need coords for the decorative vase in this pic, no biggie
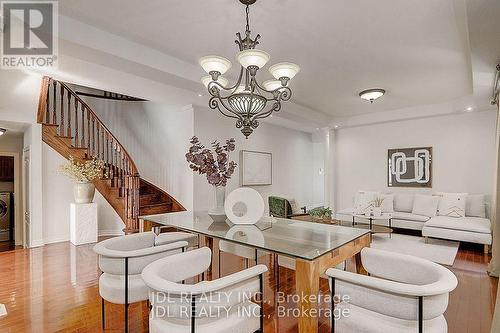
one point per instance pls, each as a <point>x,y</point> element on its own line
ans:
<point>217,212</point>
<point>83,192</point>
<point>248,198</point>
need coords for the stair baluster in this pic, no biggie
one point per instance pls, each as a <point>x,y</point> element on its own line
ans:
<point>61,125</point>
<point>77,142</point>
<point>54,106</point>
<point>68,131</point>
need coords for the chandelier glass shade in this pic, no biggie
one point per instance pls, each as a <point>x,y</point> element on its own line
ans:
<point>247,101</point>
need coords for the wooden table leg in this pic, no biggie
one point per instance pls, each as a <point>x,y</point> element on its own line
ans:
<point>357,259</point>
<point>359,265</point>
<point>307,286</point>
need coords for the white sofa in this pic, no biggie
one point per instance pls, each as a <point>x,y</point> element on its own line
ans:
<point>474,227</point>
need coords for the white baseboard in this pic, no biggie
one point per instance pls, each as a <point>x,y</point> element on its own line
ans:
<point>110,232</point>
<point>50,240</point>
<point>37,243</point>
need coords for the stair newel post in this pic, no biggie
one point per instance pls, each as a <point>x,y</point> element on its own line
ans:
<point>61,125</point>
<point>132,185</point>
<point>68,132</point>
<point>54,99</point>
<point>77,142</point>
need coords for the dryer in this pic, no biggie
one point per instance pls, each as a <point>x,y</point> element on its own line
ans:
<point>5,211</point>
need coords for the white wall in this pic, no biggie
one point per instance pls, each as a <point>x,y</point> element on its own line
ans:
<point>156,136</point>
<point>463,154</point>
<point>293,158</point>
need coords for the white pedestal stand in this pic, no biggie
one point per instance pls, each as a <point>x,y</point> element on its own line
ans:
<point>83,223</point>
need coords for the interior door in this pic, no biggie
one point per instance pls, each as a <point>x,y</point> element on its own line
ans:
<point>26,197</point>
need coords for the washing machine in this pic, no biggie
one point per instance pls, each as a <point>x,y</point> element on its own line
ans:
<point>5,211</point>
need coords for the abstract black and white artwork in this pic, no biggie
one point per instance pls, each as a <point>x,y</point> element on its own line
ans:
<point>410,167</point>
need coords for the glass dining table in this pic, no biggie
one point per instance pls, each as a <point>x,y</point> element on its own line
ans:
<point>315,247</point>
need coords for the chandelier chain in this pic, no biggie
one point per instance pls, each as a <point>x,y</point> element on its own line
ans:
<point>247,12</point>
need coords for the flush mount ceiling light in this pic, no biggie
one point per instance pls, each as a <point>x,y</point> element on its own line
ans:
<point>247,99</point>
<point>2,131</point>
<point>371,94</point>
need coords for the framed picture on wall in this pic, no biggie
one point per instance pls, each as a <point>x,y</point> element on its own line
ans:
<point>256,168</point>
<point>409,167</point>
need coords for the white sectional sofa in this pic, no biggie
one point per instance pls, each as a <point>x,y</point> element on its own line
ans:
<point>470,225</point>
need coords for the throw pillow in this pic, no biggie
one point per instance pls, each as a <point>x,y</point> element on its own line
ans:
<point>451,204</point>
<point>403,202</point>
<point>295,206</point>
<point>387,203</point>
<point>425,205</point>
<point>475,205</point>
<point>363,201</point>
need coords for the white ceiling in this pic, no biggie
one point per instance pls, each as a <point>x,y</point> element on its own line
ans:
<point>417,50</point>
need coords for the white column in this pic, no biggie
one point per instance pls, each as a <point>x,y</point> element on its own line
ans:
<point>329,144</point>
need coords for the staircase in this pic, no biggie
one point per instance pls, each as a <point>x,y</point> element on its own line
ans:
<point>72,128</point>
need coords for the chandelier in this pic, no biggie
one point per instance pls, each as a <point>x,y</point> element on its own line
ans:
<point>247,100</point>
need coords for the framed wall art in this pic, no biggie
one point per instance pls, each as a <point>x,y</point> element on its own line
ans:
<point>256,168</point>
<point>409,167</point>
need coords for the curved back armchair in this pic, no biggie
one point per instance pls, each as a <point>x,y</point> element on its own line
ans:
<point>122,259</point>
<point>404,293</point>
<point>221,305</point>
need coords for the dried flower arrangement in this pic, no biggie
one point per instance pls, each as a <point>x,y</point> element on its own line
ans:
<point>83,172</point>
<point>377,202</point>
<point>217,168</point>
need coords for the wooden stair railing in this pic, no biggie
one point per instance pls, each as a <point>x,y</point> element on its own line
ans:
<point>73,128</point>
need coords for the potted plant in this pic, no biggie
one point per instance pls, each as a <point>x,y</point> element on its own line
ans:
<point>215,164</point>
<point>83,174</point>
<point>377,206</point>
<point>321,213</point>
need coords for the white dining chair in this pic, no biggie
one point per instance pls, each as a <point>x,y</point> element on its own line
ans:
<point>219,306</point>
<point>403,294</point>
<point>176,236</point>
<point>121,260</point>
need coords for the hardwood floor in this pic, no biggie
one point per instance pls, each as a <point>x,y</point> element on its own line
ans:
<point>55,289</point>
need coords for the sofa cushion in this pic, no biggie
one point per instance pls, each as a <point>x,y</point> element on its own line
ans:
<point>471,224</point>
<point>452,204</point>
<point>409,217</point>
<point>387,203</point>
<point>403,202</point>
<point>425,205</point>
<point>475,205</point>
